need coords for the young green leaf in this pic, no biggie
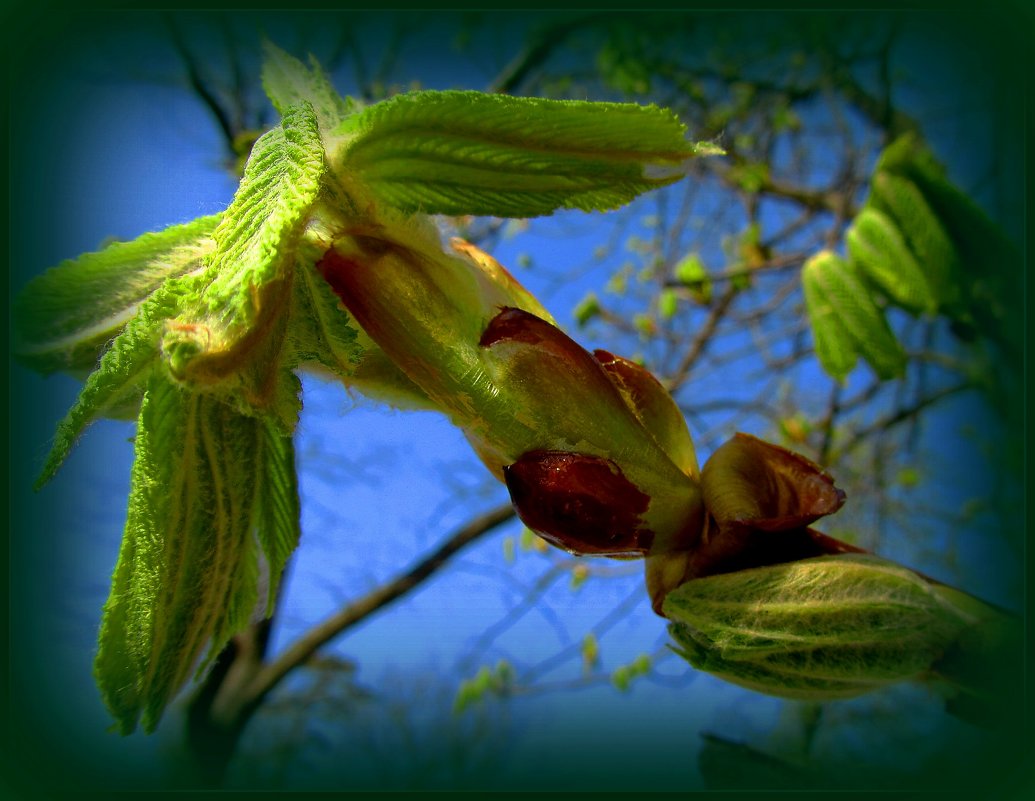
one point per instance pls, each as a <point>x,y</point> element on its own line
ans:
<point>64,318</point>
<point>277,516</point>
<point>991,266</point>
<point>691,273</point>
<point>244,287</point>
<point>461,152</point>
<point>835,348</point>
<point>847,314</point>
<point>187,572</point>
<point>924,233</point>
<point>289,83</point>
<point>877,246</point>
<point>122,370</point>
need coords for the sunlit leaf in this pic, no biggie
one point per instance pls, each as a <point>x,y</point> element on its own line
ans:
<point>65,318</point>
<point>278,514</point>
<point>245,285</point>
<point>288,82</point>
<point>187,572</point>
<point>122,370</point>
<point>460,152</point>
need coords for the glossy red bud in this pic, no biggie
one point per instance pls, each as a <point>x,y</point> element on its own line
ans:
<point>583,504</point>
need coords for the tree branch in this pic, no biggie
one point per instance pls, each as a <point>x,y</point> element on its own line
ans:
<point>305,646</point>
<point>902,415</point>
<point>201,86</point>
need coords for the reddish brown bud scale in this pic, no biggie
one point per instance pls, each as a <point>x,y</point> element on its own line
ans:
<point>335,270</point>
<point>515,325</point>
<point>754,483</point>
<point>583,504</point>
<point>653,407</point>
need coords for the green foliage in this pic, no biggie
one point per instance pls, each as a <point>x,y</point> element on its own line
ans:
<point>751,177</point>
<point>257,241</point>
<point>691,273</point>
<point>207,323</point>
<point>488,681</point>
<point>288,83</point>
<point>623,676</point>
<point>924,235</point>
<point>187,573</point>
<point>121,372</point>
<point>461,152</point>
<point>846,323</point>
<point>587,309</point>
<point>923,245</point>
<point>64,318</point>
<point>930,249</point>
<point>668,304</point>
<point>884,258</point>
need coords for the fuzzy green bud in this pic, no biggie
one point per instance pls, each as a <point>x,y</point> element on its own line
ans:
<point>818,629</point>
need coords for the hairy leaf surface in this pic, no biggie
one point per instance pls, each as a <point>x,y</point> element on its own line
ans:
<point>924,234</point>
<point>462,152</point>
<point>846,313</point>
<point>835,348</point>
<point>245,284</point>
<point>817,628</point>
<point>64,318</point>
<point>878,247</point>
<point>187,571</point>
<point>123,368</point>
<point>288,82</point>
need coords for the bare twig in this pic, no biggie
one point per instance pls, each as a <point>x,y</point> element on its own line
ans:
<point>320,634</point>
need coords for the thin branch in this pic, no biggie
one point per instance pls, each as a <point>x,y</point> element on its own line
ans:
<point>902,415</point>
<point>702,340</point>
<point>304,647</point>
<point>201,86</point>
<point>534,55</point>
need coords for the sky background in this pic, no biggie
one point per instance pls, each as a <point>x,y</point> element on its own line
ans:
<point>99,150</point>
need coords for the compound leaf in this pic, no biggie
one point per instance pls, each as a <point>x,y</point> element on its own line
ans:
<point>243,288</point>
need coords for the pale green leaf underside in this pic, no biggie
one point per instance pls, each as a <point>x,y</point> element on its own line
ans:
<point>288,82</point>
<point>827,601</point>
<point>321,329</point>
<point>835,348</point>
<point>187,573</point>
<point>64,318</point>
<point>923,232</point>
<point>841,299</point>
<point>459,152</point>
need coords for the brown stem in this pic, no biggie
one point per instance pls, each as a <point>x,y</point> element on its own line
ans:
<point>241,679</point>
<point>306,645</point>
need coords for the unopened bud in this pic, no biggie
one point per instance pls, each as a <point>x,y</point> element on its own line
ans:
<point>822,628</point>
